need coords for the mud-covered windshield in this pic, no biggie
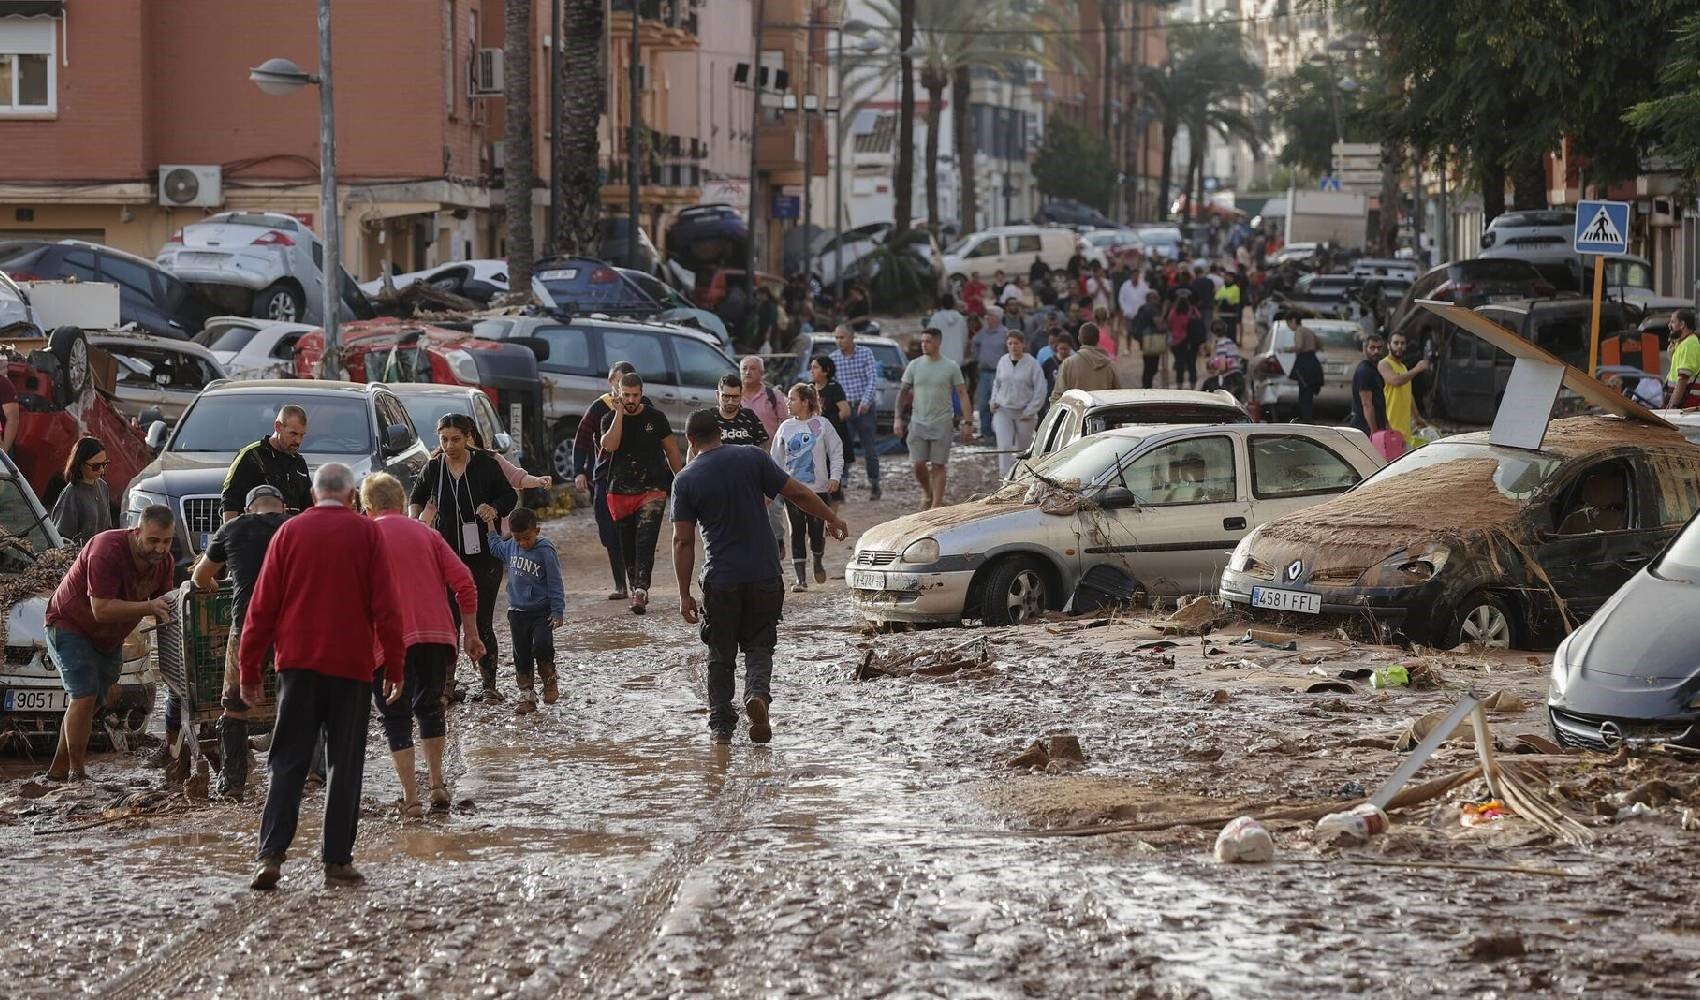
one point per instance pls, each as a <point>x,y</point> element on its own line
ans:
<point>18,522</point>
<point>1518,474</point>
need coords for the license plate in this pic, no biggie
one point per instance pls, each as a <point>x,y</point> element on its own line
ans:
<point>37,701</point>
<point>202,258</point>
<point>864,580</point>
<point>565,274</point>
<point>1271,599</point>
<point>205,540</point>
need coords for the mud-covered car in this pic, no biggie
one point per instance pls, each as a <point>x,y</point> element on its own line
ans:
<point>1464,541</point>
<point>32,698</point>
<point>1629,675</point>
<point>1144,509</point>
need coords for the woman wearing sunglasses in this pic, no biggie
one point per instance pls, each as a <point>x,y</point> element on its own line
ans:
<point>84,507</point>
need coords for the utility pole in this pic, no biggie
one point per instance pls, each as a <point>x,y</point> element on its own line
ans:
<point>755,150</point>
<point>556,136</point>
<point>634,74</point>
<point>839,133</point>
<point>330,366</point>
<point>808,137</point>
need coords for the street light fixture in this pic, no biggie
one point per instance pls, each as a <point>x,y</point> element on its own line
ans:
<point>280,78</point>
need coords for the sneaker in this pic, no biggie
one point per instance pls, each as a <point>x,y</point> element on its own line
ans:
<point>820,570</point>
<point>161,755</point>
<point>618,595</point>
<point>265,880</point>
<point>551,690</point>
<point>874,494</point>
<point>640,601</point>
<point>439,799</point>
<point>527,703</point>
<point>342,875</point>
<point>490,696</point>
<point>799,587</point>
<point>760,731</point>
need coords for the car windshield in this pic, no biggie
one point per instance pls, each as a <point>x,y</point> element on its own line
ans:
<point>956,249</point>
<point>427,410</point>
<point>231,421</point>
<point>1520,474</point>
<point>1681,562</point>
<point>890,359</point>
<point>1335,335</point>
<point>1525,220</point>
<point>1087,459</point>
<point>18,521</point>
<point>231,338</point>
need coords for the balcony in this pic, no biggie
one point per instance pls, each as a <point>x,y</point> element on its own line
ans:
<point>779,147</point>
<point>664,25</point>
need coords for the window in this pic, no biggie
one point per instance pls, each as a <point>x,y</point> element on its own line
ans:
<point>28,67</point>
<point>77,264</point>
<point>1599,500</point>
<point>391,413</point>
<point>987,247</point>
<point>1195,471</point>
<point>569,350</point>
<point>1283,466</point>
<point>143,366</point>
<point>643,350</point>
<point>1677,487</point>
<point>1024,244</point>
<point>700,366</point>
<point>130,275</point>
<point>488,423</point>
<point>228,338</point>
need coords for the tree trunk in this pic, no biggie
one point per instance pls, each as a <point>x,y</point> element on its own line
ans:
<point>519,171</point>
<point>1529,184</point>
<point>1387,235</point>
<point>583,97</point>
<point>1197,139</point>
<point>934,83</point>
<point>904,210</point>
<point>1167,174</point>
<point>961,92</point>
<point>1493,189</point>
<point>1110,18</point>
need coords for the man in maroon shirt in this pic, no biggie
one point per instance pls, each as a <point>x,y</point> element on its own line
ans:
<point>324,602</point>
<point>117,580</point>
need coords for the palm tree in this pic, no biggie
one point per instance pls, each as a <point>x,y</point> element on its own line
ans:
<point>519,171</point>
<point>582,100</point>
<point>905,181</point>
<point>1202,86</point>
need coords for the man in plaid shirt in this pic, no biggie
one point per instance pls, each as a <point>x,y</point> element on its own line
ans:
<point>858,374</point>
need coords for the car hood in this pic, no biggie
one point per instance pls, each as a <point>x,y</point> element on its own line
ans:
<point>967,525</point>
<point>24,623</point>
<point>173,472</point>
<point>1632,660</point>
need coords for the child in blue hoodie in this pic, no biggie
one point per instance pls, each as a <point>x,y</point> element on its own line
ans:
<point>537,603</point>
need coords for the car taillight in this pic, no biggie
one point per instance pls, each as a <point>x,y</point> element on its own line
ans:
<point>1271,366</point>
<point>26,276</point>
<point>603,276</point>
<point>176,237</point>
<point>273,238</point>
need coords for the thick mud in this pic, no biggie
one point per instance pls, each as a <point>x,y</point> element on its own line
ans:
<point>882,845</point>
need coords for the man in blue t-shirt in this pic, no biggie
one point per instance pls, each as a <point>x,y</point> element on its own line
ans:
<point>726,490</point>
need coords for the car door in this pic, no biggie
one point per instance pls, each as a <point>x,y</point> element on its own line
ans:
<point>572,376</point>
<point>1467,377</point>
<point>405,464</point>
<point>490,424</point>
<point>1595,533</point>
<point>1190,513</point>
<point>1292,471</point>
<point>648,354</point>
<point>700,369</point>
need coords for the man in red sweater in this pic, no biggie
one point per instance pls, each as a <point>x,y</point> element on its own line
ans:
<point>325,594</point>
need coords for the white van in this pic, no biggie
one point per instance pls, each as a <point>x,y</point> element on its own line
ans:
<point>1009,249</point>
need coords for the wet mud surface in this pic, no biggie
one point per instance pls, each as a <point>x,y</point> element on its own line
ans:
<point>882,846</point>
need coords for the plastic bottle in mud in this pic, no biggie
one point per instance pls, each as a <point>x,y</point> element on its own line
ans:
<point>1354,826</point>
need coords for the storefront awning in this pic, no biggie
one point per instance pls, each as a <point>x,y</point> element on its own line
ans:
<point>32,8</point>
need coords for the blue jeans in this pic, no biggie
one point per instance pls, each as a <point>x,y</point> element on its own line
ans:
<point>983,399</point>
<point>863,428</point>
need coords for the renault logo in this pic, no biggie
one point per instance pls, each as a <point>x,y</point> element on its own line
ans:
<point>1294,569</point>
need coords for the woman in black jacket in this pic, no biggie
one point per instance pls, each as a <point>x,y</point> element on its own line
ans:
<point>459,488</point>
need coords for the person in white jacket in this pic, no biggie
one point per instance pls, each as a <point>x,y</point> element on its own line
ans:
<point>807,447</point>
<point>1019,392</point>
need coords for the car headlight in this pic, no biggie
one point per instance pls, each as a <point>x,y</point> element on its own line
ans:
<point>141,500</point>
<point>464,366</point>
<point>1241,560</point>
<point>922,552</point>
<point>1560,675</point>
<point>1407,570</point>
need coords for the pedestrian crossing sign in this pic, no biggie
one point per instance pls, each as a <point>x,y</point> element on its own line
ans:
<point>1602,227</point>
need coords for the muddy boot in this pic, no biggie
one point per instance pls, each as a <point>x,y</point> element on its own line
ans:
<point>820,569</point>
<point>161,755</point>
<point>527,698</point>
<point>233,742</point>
<point>802,583</point>
<point>760,730</point>
<point>265,878</point>
<point>551,690</point>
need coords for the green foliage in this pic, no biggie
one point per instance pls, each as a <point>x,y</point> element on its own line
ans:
<point>1673,119</point>
<point>1074,162</point>
<point>1304,105</point>
<point>901,281</point>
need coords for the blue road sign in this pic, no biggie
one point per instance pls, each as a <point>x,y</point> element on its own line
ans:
<point>1329,183</point>
<point>1602,227</point>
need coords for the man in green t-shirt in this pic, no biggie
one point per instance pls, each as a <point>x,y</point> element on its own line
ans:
<point>928,381</point>
<point>1684,358</point>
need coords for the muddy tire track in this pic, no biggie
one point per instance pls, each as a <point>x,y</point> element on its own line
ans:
<point>168,970</point>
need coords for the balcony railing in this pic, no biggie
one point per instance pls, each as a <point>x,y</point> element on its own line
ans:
<point>679,14</point>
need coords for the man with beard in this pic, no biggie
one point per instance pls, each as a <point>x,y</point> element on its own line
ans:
<point>119,578</point>
<point>274,460</point>
<point>643,458</point>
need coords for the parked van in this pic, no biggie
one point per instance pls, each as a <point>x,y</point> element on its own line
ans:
<point>1009,249</point>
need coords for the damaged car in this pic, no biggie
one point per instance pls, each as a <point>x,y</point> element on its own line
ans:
<point>263,264</point>
<point>1629,675</point>
<point>1144,510</point>
<point>1079,412</point>
<point>1468,542</point>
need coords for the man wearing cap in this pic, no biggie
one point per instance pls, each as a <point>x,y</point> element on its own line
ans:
<point>241,545</point>
<point>274,460</point>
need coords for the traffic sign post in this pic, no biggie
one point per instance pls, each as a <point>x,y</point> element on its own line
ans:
<point>1602,229</point>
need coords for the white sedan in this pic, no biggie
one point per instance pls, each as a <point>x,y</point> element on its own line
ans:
<point>1149,509</point>
<point>253,348</point>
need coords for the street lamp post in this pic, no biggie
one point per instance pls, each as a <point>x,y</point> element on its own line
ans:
<point>279,77</point>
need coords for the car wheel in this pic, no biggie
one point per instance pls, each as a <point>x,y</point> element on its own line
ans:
<point>1016,593</point>
<point>561,451</point>
<point>70,346</point>
<point>1482,619</point>
<point>280,303</point>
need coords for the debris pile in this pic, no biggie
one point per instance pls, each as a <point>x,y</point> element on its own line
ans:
<point>41,577</point>
<point>972,658</point>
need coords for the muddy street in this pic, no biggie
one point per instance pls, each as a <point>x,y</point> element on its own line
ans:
<point>883,844</point>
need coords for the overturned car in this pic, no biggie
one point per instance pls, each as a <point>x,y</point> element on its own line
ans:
<point>1464,541</point>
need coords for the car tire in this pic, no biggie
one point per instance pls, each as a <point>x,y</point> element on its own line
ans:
<point>561,450</point>
<point>1017,591</point>
<point>71,347</point>
<point>281,303</point>
<point>1482,619</point>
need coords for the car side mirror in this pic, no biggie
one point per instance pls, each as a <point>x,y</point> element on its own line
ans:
<point>396,439</point>
<point>537,345</point>
<point>504,440</point>
<point>157,432</point>
<point>1116,497</point>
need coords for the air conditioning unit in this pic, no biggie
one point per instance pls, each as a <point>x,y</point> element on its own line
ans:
<point>1663,213</point>
<point>485,80</point>
<point>191,186</point>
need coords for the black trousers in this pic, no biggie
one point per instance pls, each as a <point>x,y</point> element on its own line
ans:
<point>306,702</point>
<point>1153,363</point>
<point>534,643</point>
<point>487,577</point>
<point>608,534</point>
<point>802,523</point>
<point>1186,364</point>
<point>739,617</point>
<point>638,536</point>
<point>425,675</point>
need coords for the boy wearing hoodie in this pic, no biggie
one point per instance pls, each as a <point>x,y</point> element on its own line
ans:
<point>537,603</point>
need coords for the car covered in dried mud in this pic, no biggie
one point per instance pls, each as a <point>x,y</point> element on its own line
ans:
<point>1629,675</point>
<point>1079,412</point>
<point>1157,507</point>
<point>1464,541</point>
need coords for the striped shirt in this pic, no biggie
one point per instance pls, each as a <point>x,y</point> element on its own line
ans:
<point>858,373</point>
